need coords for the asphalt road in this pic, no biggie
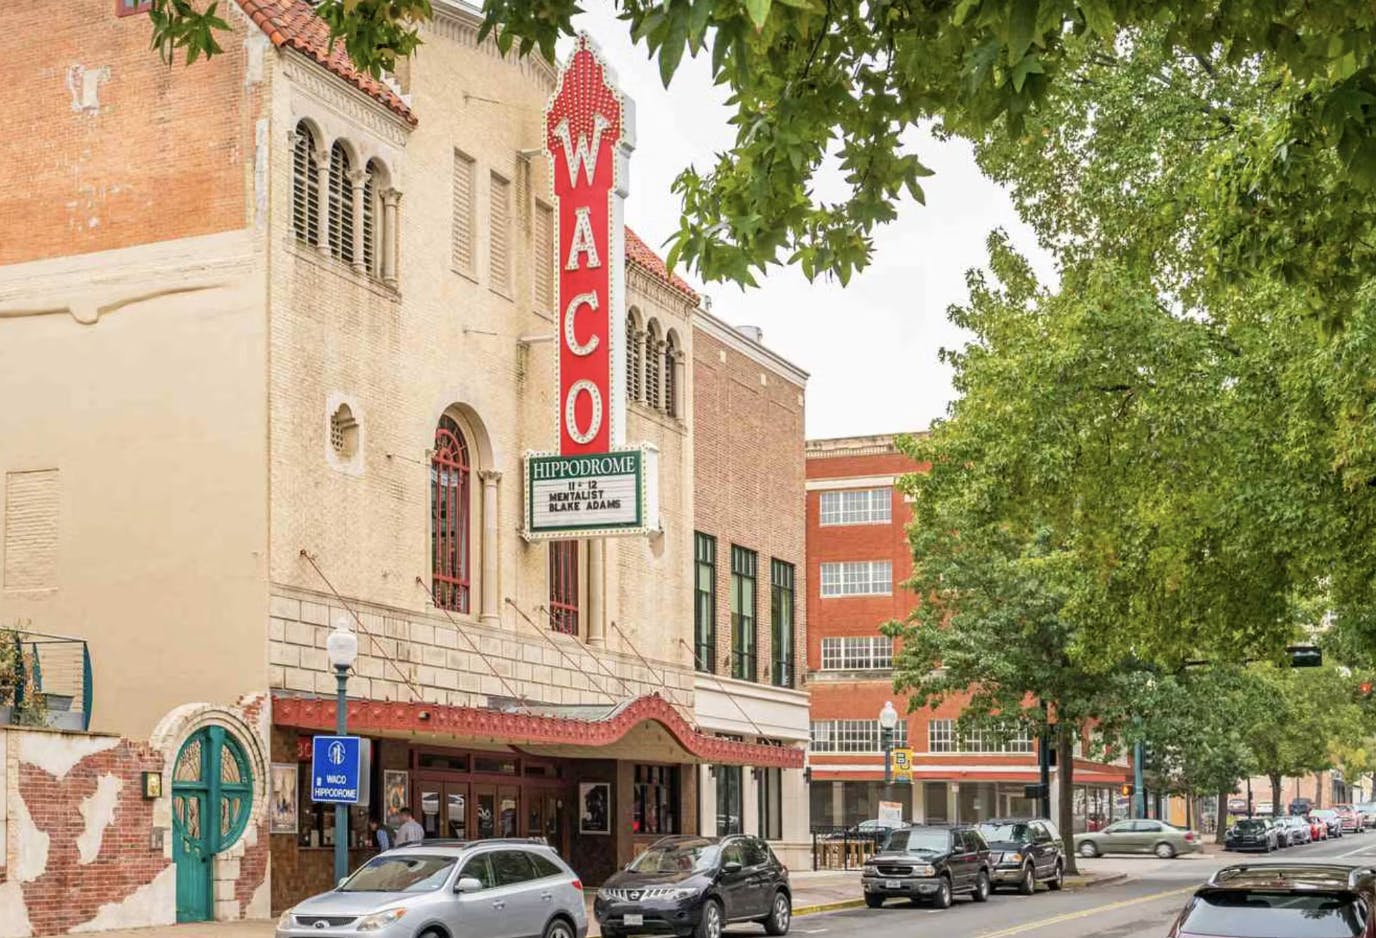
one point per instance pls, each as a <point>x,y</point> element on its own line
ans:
<point>1143,906</point>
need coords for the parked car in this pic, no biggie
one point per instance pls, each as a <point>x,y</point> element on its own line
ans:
<point>696,886</point>
<point>1252,834</point>
<point>1318,830</point>
<point>1301,806</point>
<point>469,890</point>
<point>1298,900</point>
<point>1024,852</point>
<point>1295,830</point>
<point>935,863</point>
<point>1367,809</point>
<point>1138,836</point>
<point>1352,821</point>
<point>1263,809</point>
<point>1331,819</point>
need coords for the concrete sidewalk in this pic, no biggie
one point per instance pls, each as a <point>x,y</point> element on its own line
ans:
<point>823,891</point>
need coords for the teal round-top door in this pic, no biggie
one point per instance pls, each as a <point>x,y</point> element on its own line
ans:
<point>212,792</point>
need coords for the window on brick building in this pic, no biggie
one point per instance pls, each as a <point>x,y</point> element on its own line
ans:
<point>744,567</point>
<point>857,578</point>
<point>450,502</point>
<point>373,216</point>
<point>653,364</point>
<point>542,289</point>
<point>671,405</point>
<point>857,506</point>
<point>563,587</point>
<point>461,234</point>
<point>130,7</point>
<point>855,736</point>
<point>781,627</point>
<point>305,187</point>
<point>857,653</point>
<point>341,212</point>
<point>705,601</point>
<point>499,236</point>
<point>635,355</point>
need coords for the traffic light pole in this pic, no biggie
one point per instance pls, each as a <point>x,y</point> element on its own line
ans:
<point>1139,792</point>
<point>1044,769</point>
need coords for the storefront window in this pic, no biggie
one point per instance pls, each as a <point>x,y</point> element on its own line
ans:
<point>655,808</point>
<point>730,799</point>
<point>771,804</point>
<point>934,800</point>
<point>976,802</point>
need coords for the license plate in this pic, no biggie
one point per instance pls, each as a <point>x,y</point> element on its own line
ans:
<point>892,884</point>
<point>634,920</point>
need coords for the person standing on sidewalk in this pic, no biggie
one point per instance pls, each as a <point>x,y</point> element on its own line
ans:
<point>409,832</point>
<point>382,837</point>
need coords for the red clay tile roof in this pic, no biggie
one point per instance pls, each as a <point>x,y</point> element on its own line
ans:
<point>294,23</point>
<point>644,257</point>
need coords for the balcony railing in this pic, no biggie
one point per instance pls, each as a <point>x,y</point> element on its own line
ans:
<point>45,680</point>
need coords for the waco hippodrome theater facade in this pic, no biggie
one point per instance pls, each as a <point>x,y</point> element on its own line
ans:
<point>286,373</point>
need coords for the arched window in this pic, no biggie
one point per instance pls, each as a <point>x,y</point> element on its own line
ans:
<point>635,354</point>
<point>652,365</point>
<point>372,216</point>
<point>305,187</point>
<point>670,380</point>
<point>341,204</point>
<point>449,514</point>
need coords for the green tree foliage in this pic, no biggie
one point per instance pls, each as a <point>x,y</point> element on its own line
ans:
<point>816,84</point>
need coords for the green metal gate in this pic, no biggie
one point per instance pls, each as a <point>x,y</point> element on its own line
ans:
<point>212,792</point>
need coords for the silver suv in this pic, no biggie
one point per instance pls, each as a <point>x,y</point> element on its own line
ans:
<point>461,890</point>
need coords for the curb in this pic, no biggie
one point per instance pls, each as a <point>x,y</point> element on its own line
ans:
<point>1081,882</point>
<point>828,907</point>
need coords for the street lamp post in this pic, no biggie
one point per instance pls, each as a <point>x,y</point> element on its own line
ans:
<point>888,721</point>
<point>342,649</point>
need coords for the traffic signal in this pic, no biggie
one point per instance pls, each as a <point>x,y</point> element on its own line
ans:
<point>1305,656</point>
<point>1125,789</point>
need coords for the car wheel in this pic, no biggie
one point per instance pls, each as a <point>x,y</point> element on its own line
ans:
<point>943,894</point>
<point>1028,884</point>
<point>709,926</point>
<point>1165,851</point>
<point>559,928</point>
<point>981,893</point>
<point>1087,849</point>
<point>873,900</point>
<point>780,915</point>
<point>1058,880</point>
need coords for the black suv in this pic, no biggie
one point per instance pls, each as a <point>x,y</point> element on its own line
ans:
<point>932,863</point>
<point>1024,852</point>
<point>696,886</point>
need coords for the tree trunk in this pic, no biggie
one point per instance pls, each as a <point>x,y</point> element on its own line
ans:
<point>1275,796</point>
<point>1065,757</point>
<point>1318,789</point>
<point>1221,827</point>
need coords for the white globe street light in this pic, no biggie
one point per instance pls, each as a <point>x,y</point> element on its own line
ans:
<point>888,722</point>
<point>341,647</point>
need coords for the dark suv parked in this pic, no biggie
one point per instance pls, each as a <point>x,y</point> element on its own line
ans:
<point>933,863</point>
<point>696,886</point>
<point>1024,852</point>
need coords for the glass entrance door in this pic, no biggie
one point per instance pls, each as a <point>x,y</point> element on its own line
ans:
<point>485,811</point>
<point>429,797</point>
<point>456,810</point>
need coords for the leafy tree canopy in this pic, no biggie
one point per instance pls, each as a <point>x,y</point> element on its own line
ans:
<point>816,84</point>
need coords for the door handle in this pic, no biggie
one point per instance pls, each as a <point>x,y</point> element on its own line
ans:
<point>547,896</point>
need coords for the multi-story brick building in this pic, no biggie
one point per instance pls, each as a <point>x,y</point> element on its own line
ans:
<point>858,560</point>
<point>274,338</point>
<point>750,575</point>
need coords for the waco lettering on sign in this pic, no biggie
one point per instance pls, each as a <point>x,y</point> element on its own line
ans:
<point>335,769</point>
<point>592,485</point>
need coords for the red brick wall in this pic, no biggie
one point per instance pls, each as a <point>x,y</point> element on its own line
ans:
<point>166,154</point>
<point>69,893</point>
<point>748,472</point>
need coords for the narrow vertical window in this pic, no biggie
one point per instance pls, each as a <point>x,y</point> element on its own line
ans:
<point>635,354</point>
<point>705,602</point>
<point>652,364</point>
<point>373,230</point>
<point>341,204</point>
<point>563,587</point>
<point>461,235</point>
<point>670,379</point>
<point>744,565</point>
<point>449,513</point>
<point>543,287</point>
<point>499,252</point>
<point>305,187</point>
<point>781,629</point>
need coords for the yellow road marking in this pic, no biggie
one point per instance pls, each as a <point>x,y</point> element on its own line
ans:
<point>1085,913</point>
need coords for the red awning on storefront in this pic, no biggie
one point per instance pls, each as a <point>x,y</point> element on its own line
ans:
<point>641,728</point>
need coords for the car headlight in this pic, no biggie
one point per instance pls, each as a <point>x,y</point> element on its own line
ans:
<point>926,870</point>
<point>284,922</point>
<point>678,895</point>
<point>379,920</point>
<point>1012,858</point>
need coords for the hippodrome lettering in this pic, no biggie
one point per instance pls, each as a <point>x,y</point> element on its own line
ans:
<point>617,464</point>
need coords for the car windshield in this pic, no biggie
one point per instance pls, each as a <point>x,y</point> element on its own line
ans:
<point>1324,812</point>
<point>1241,914</point>
<point>400,873</point>
<point>1017,833</point>
<point>692,856</point>
<point>918,841</point>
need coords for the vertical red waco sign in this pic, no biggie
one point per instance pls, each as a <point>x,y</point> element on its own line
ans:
<point>588,137</point>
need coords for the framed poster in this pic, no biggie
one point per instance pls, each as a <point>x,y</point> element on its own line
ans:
<point>594,808</point>
<point>395,788</point>
<point>283,799</point>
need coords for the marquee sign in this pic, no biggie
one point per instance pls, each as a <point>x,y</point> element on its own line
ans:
<point>593,485</point>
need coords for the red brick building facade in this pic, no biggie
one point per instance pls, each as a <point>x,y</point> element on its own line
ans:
<point>858,561</point>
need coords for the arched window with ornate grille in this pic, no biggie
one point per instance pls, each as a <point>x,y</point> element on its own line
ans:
<point>305,187</point>
<point>652,365</point>
<point>671,388</point>
<point>635,354</point>
<point>341,204</point>
<point>375,232</point>
<point>450,472</point>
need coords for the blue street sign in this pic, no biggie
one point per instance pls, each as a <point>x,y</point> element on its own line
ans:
<point>335,771</point>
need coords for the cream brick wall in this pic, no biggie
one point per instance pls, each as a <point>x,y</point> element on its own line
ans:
<point>442,340</point>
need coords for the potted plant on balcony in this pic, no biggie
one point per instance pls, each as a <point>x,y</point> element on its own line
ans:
<point>17,674</point>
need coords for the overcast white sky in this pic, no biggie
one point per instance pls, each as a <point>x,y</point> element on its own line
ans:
<point>871,348</point>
